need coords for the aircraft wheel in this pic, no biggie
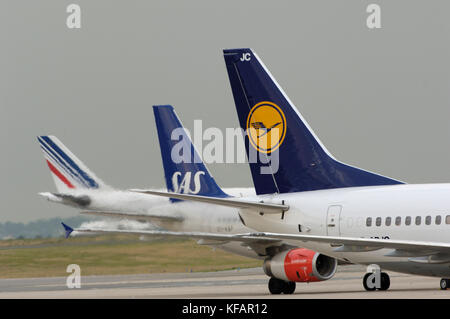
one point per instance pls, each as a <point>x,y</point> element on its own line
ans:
<point>289,288</point>
<point>366,280</point>
<point>385,281</point>
<point>276,286</point>
<point>444,283</point>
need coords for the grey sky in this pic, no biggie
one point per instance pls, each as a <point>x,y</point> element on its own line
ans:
<point>378,99</point>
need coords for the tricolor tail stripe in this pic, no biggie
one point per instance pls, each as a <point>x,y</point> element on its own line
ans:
<point>60,163</point>
<point>65,164</point>
<point>82,174</point>
<point>60,176</point>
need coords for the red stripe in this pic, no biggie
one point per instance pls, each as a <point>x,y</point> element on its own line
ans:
<point>61,176</point>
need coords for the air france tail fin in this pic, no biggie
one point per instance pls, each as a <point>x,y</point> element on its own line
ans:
<point>67,170</point>
<point>275,129</point>
<point>183,168</point>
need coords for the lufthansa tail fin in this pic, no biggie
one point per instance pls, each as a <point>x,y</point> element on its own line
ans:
<point>276,130</point>
<point>67,170</point>
<point>183,168</point>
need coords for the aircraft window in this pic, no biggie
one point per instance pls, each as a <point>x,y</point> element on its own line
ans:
<point>418,220</point>
<point>438,220</point>
<point>369,221</point>
<point>378,221</point>
<point>428,220</point>
<point>447,219</point>
<point>408,220</point>
<point>398,220</point>
<point>388,221</point>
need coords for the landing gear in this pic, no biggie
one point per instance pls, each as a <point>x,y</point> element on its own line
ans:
<point>289,288</point>
<point>278,286</point>
<point>370,283</point>
<point>385,281</point>
<point>445,283</point>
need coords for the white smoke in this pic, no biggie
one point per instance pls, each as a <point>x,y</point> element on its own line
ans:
<point>118,224</point>
<point>157,204</point>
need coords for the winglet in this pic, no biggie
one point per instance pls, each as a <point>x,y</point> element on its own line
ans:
<point>261,207</point>
<point>67,229</point>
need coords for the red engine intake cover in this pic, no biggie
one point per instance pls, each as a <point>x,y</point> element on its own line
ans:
<point>298,265</point>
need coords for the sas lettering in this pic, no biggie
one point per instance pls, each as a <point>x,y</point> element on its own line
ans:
<point>185,185</point>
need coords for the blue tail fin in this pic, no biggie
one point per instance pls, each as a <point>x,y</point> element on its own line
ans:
<point>183,168</point>
<point>304,164</point>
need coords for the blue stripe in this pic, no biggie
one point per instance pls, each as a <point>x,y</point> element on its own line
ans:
<point>62,164</point>
<point>69,161</point>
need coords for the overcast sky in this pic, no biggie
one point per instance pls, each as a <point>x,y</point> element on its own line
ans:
<point>378,99</point>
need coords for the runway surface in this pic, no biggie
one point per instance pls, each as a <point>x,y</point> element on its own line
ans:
<point>245,283</point>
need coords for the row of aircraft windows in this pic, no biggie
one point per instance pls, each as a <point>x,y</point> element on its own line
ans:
<point>408,219</point>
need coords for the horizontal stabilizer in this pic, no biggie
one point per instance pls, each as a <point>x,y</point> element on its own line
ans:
<point>68,230</point>
<point>68,199</point>
<point>262,207</point>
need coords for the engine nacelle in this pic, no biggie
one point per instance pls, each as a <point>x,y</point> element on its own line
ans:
<point>300,265</point>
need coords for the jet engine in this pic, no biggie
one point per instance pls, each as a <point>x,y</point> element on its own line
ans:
<point>300,265</point>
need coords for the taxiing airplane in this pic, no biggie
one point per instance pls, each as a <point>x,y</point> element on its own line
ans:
<point>313,200</point>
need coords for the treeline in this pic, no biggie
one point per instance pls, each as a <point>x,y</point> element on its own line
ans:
<point>42,228</point>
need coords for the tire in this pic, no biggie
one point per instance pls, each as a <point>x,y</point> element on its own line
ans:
<point>444,284</point>
<point>365,279</point>
<point>276,286</point>
<point>385,281</point>
<point>289,288</point>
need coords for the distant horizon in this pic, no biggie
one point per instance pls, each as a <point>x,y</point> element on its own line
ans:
<point>52,228</point>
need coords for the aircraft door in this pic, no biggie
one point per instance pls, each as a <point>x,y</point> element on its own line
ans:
<point>333,220</point>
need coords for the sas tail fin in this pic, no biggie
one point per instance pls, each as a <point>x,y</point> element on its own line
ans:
<point>184,170</point>
<point>275,129</point>
<point>67,170</point>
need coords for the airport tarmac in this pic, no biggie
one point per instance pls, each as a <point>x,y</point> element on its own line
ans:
<point>244,283</point>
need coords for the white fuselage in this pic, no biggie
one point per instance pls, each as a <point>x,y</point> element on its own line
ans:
<point>344,212</point>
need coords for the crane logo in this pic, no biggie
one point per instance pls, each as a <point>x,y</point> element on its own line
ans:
<point>266,127</point>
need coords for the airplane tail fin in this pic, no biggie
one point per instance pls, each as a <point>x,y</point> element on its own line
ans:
<point>184,170</point>
<point>67,170</point>
<point>276,130</point>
